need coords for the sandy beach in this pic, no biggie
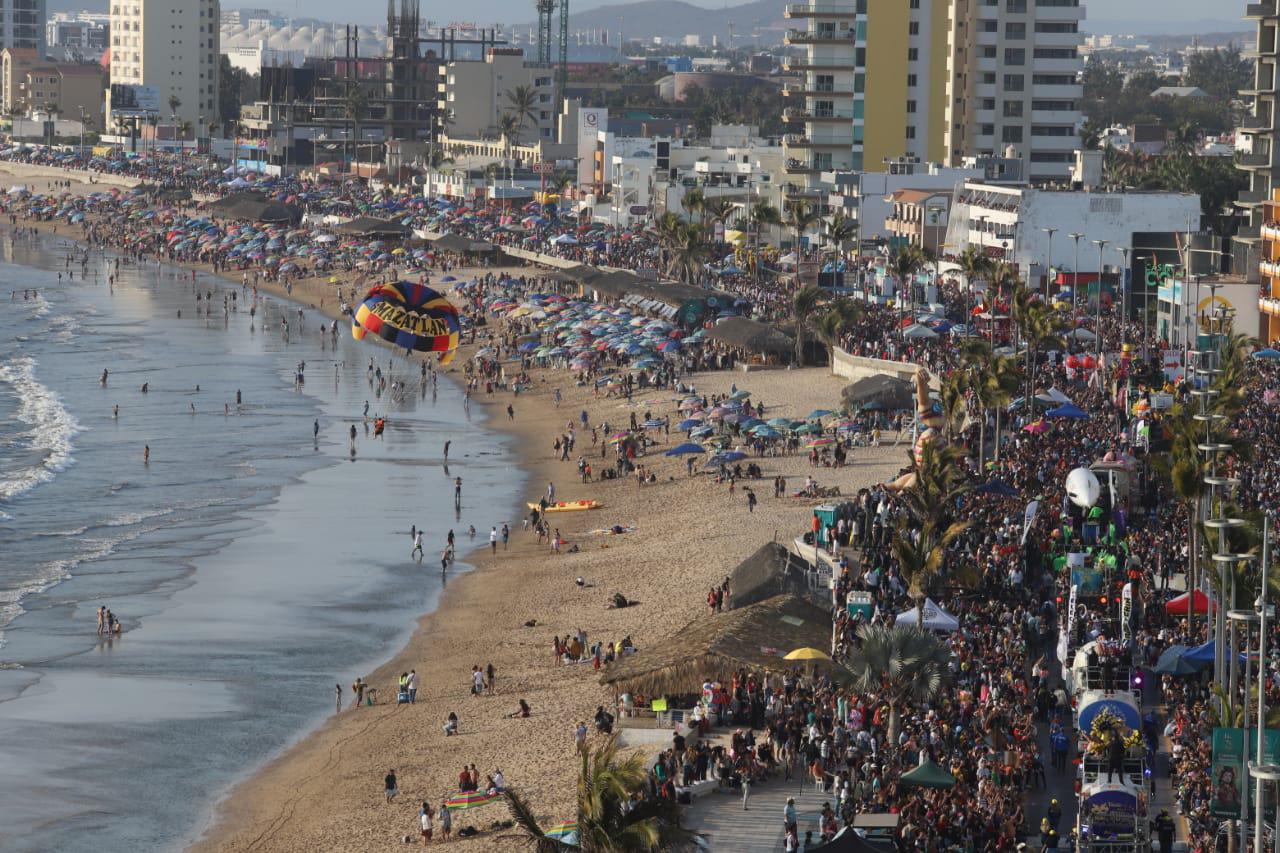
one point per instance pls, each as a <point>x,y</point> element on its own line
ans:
<point>325,792</point>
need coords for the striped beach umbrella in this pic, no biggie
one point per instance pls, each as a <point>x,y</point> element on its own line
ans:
<point>470,800</point>
<point>566,832</point>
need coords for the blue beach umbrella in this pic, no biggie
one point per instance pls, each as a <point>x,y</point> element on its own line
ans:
<point>687,447</point>
<point>1269,354</point>
<point>1067,410</point>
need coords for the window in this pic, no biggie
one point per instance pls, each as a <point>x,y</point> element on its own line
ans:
<point>989,78</point>
<point>913,28</point>
<point>987,104</point>
<point>989,51</point>
<point>1013,109</point>
<point>1013,82</point>
<point>986,129</point>
<point>860,57</point>
<point>988,26</point>
<point>911,106</point>
<point>1054,157</point>
<point>1056,53</point>
<point>1011,134</point>
<point>1053,105</point>
<point>911,81</point>
<point>911,131</point>
<point>1015,56</point>
<point>1053,79</point>
<point>1055,27</point>
<point>859,83</point>
<point>915,4</point>
<point>1017,7</point>
<point>913,53</point>
<point>1016,31</point>
<point>1052,130</point>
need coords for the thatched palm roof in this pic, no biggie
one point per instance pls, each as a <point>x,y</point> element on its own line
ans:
<point>452,243</point>
<point>887,391</point>
<point>764,574</point>
<point>713,646</point>
<point>372,226</point>
<point>751,335</point>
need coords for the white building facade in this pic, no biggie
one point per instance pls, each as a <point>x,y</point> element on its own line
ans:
<point>173,47</point>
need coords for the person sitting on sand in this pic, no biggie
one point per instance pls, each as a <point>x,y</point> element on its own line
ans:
<point>522,712</point>
<point>451,724</point>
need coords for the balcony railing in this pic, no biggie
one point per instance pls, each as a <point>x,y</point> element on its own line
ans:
<point>802,114</point>
<point>804,10</point>
<point>819,36</point>
<point>803,89</point>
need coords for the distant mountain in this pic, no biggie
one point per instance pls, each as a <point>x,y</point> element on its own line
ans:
<point>759,22</point>
<point>1156,27</point>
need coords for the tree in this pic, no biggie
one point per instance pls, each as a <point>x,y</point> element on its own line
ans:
<point>800,219</point>
<point>719,208</point>
<point>839,318</point>
<point>975,265</point>
<point>899,666</point>
<point>229,90</point>
<point>840,230</point>
<point>522,102</point>
<point>1040,327</point>
<point>803,305</point>
<point>609,821</point>
<point>692,202</point>
<point>762,215</point>
<point>1221,72</point>
<point>174,103</point>
<point>994,380</point>
<point>354,102</point>
<point>689,251</point>
<point>928,527</point>
<point>904,264</point>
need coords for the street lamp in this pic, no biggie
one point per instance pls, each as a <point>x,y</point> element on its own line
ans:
<point>81,108</point>
<point>1075,280</point>
<point>1101,244</point>
<point>1048,260</point>
<point>1124,292</point>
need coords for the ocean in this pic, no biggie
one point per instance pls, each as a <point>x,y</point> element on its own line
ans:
<point>252,563</point>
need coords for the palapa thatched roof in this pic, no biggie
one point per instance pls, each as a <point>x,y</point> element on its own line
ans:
<point>764,574</point>
<point>372,226</point>
<point>887,391</point>
<point>713,646</point>
<point>255,207</point>
<point>452,243</point>
<point>751,335</point>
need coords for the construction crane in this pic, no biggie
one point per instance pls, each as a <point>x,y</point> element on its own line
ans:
<point>546,8</point>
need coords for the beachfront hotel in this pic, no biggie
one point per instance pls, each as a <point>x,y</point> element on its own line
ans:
<point>172,47</point>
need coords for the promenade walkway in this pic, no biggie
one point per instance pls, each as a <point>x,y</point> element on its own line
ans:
<point>726,827</point>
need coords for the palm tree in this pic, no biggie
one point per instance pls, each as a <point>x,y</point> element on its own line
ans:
<point>840,316</point>
<point>928,528</point>
<point>719,209</point>
<point>689,252</point>
<point>904,265</point>
<point>762,215</point>
<point>900,666</point>
<point>608,821</point>
<point>174,103</point>
<point>354,102</point>
<point>693,201</point>
<point>1040,327</point>
<point>522,102</point>
<point>993,379</point>
<point>840,230</point>
<point>800,218</point>
<point>976,266</point>
<point>667,228</point>
<point>952,395</point>
<point>803,304</point>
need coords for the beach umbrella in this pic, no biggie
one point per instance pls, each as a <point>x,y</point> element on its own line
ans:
<point>687,447</point>
<point>1036,427</point>
<point>565,833</point>
<point>730,456</point>
<point>740,394</point>
<point>701,432</point>
<point>818,414</point>
<point>1269,354</point>
<point>997,487</point>
<point>470,800</point>
<point>689,423</point>
<point>1173,661</point>
<point>807,653</point>
<point>820,442</point>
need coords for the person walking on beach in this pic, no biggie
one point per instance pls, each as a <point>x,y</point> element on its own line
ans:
<point>446,450</point>
<point>357,687</point>
<point>746,789</point>
<point>506,535</point>
<point>413,686</point>
<point>102,619</point>
<point>492,675</point>
<point>493,540</point>
<point>751,500</point>
<point>426,817</point>
<point>477,681</point>
<point>457,492</point>
<point>446,822</point>
<point>390,782</point>
<point>417,546</point>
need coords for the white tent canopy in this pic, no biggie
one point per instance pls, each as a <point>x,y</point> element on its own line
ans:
<point>935,618</point>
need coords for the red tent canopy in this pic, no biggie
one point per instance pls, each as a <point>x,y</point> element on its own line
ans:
<point>1178,606</point>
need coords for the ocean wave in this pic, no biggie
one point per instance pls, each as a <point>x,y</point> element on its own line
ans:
<point>52,428</point>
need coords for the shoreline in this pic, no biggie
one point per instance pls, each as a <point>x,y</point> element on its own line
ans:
<point>325,788</point>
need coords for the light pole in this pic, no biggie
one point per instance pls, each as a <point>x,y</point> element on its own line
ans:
<point>1101,244</point>
<point>1124,293</point>
<point>1048,264</point>
<point>81,108</point>
<point>1075,281</point>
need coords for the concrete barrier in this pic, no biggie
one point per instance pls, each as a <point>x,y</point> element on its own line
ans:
<point>21,171</point>
<point>855,367</point>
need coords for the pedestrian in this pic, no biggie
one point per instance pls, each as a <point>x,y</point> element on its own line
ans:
<point>580,738</point>
<point>417,545</point>
<point>746,790</point>
<point>426,818</point>
<point>477,681</point>
<point>413,686</point>
<point>337,689</point>
<point>446,822</point>
<point>390,782</point>
<point>506,535</point>
<point>493,540</point>
<point>491,676</point>
<point>751,500</point>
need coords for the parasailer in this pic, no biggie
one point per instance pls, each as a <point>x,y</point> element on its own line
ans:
<point>411,316</point>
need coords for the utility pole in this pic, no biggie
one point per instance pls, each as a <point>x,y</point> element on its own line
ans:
<point>1048,262</point>
<point>1101,244</point>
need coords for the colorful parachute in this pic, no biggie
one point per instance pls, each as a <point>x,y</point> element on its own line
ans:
<point>410,316</point>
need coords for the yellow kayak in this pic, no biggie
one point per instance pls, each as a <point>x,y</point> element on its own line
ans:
<point>569,506</point>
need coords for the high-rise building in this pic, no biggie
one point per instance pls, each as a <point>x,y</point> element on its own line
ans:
<point>172,47</point>
<point>823,113</point>
<point>1013,82</point>
<point>1262,163</point>
<point>22,24</point>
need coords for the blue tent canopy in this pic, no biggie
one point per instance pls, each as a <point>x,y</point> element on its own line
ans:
<point>1068,410</point>
<point>687,447</point>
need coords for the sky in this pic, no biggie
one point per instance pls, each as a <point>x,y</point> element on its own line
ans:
<point>1124,15</point>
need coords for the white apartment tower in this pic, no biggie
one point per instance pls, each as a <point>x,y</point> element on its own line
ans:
<point>822,124</point>
<point>172,46</point>
<point>1013,82</point>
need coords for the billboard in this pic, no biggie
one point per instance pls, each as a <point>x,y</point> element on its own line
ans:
<point>127,99</point>
<point>1229,788</point>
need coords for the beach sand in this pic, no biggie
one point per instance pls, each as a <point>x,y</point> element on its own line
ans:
<point>325,792</point>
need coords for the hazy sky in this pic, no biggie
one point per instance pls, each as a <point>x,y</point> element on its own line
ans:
<point>1161,14</point>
